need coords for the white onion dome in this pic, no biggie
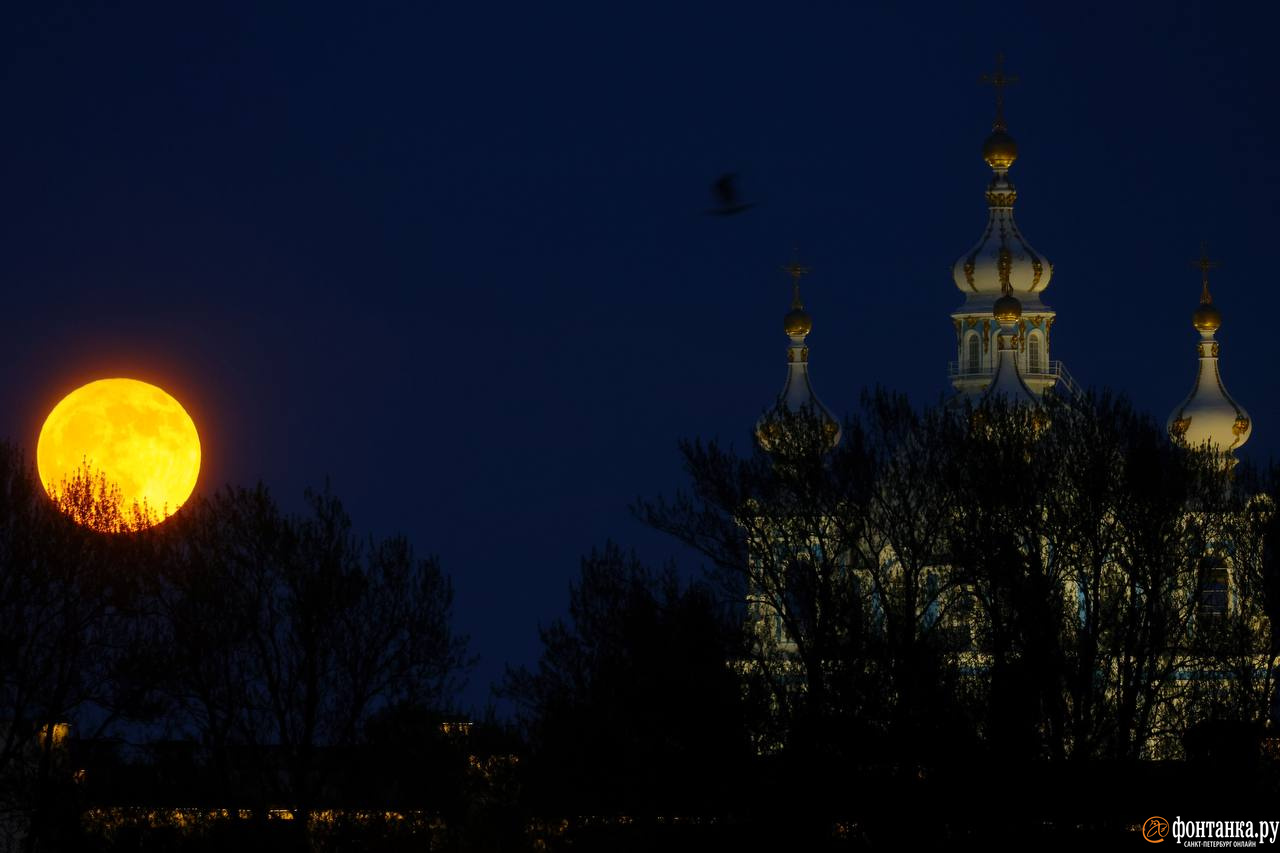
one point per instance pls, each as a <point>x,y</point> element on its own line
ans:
<point>1002,256</point>
<point>1209,415</point>
<point>797,394</point>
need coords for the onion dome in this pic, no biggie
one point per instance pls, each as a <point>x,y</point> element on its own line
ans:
<point>1209,415</point>
<point>1002,256</point>
<point>797,322</point>
<point>999,150</point>
<point>797,395</point>
<point>1206,318</point>
<point>1007,382</point>
<point>1007,310</point>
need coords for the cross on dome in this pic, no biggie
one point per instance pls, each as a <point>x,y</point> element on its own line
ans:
<point>1204,264</point>
<point>797,393</point>
<point>998,80</point>
<point>1209,415</point>
<point>796,271</point>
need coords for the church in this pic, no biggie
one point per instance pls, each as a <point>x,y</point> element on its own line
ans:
<point>1003,340</point>
<point>1002,328</point>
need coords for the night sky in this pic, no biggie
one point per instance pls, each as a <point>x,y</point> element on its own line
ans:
<point>456,260</point>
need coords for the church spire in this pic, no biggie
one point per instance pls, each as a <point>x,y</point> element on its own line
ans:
<point>797,392</point>
<point>1209,415</point>
<point>797,322</point>
<point>1002,263</point>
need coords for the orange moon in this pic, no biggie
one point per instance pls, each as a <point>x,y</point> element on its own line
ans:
<point>134,434</point>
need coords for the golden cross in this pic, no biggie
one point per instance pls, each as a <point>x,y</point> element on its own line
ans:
<point>1205,265</point>
<point>998,80</point>
<point>795,270</point>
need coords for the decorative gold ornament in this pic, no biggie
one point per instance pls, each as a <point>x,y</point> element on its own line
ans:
<point>1007,309</point>
<point>1241,425</point>
<point>999,150</point>
<point>1001,199</point>
<point>800,354</point>
<point>1004,266</point>
<point>968,273</point>
<point>797,323</point>
<point>1179,427</point>
<point>1207,318</point>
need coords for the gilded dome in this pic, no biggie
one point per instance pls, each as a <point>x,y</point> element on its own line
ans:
<point>1007,310</point>
<point>1209,415</point>
<point>1207,318</point>
<point>999,150</point>
<point>797,323</point>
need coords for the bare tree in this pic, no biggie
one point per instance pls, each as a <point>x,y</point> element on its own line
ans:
<point>631,706</point>
<point>288,633</point>
<point>1026,575</point>
<point>71,621</point>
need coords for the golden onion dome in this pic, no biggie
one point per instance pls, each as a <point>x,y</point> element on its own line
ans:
<point>1207,318</point>
<point>1007,310</point>
<point>797,323</point>
<point>999,150</point>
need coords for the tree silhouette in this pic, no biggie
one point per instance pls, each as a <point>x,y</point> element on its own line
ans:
<point>92,500</point>
<point>631,706</point>
<point>1024,578</point>
<point>71,623</point>
<point>287,633</point>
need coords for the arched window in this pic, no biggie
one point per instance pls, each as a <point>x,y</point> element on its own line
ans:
<point>974,362</point>
<point>1214,591</point>
<point>1035,357</point>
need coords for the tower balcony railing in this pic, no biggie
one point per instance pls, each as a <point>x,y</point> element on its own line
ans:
<point>1054,371</point>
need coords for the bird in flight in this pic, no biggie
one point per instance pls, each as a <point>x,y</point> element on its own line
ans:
<point>725,191</point>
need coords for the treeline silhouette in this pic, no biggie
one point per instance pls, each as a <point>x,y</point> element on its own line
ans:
<point>961,624</point>
<point>234,656</point>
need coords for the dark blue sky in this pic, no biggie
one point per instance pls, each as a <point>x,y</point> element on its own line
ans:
<point>455,258</point>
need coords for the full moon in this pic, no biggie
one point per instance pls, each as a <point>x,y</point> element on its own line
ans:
<point>134,434</point>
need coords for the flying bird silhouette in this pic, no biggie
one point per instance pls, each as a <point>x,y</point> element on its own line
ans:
<point>725,191</point>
